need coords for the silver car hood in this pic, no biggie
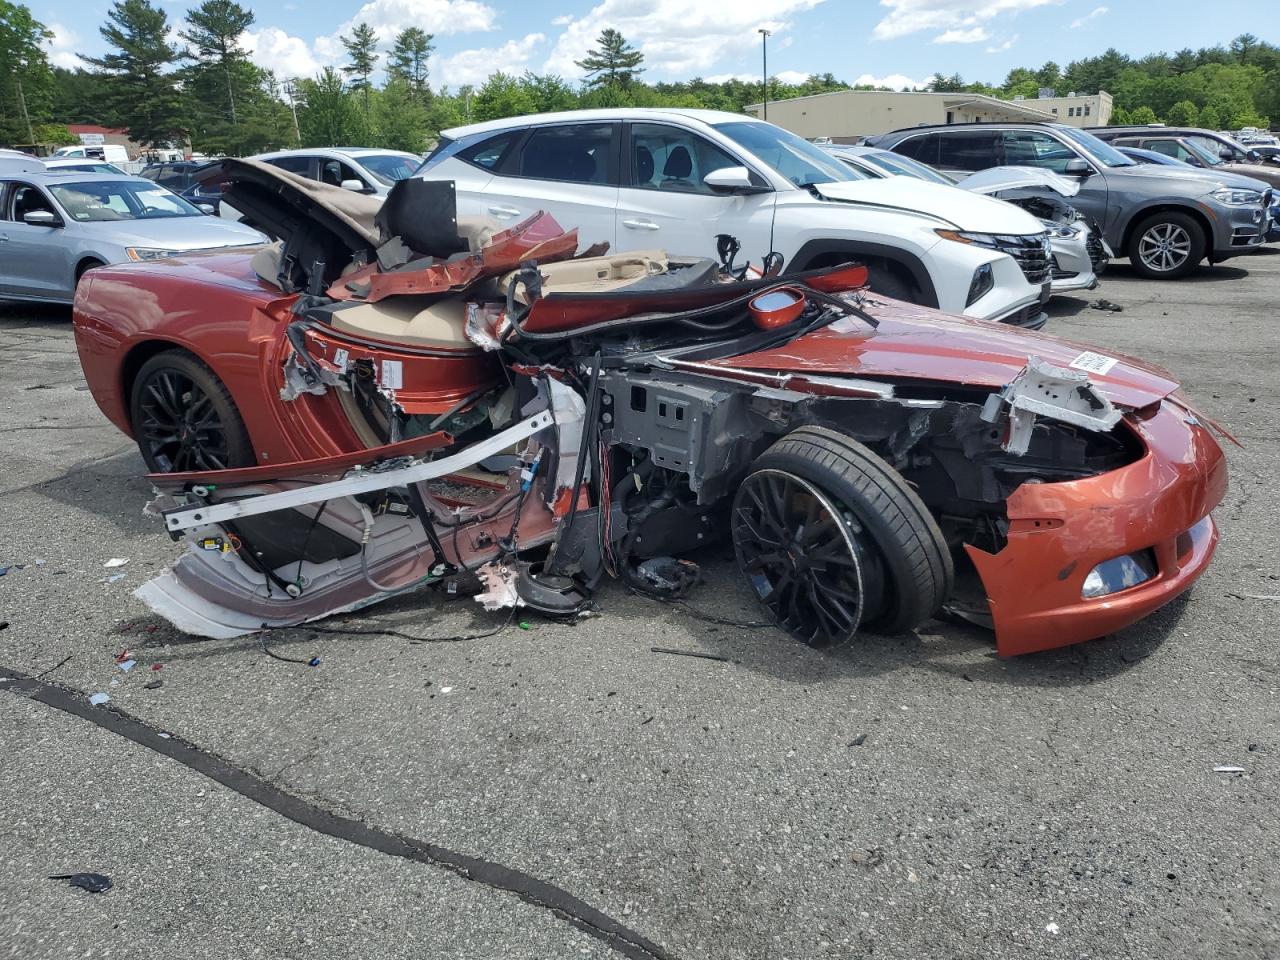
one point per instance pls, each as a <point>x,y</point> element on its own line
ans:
<point>172,233</point>
<point>996,179</point>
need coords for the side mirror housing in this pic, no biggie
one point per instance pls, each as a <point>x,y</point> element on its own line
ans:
<point>355,186</point>
<point>40,218</point>
<point>1079,167</point>
<point>206,208</point>
<point>732,180</point>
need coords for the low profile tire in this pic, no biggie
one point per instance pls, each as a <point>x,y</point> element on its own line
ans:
<point>85,267</point>
<point>1166,246</point>
<point>184,419</point>
<point>830,539</point>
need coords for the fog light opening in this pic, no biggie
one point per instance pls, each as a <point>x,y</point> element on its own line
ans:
<point>983,282</point>
<point>1119,573</point>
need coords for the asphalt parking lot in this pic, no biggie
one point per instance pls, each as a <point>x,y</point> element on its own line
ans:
<point>901,797</point>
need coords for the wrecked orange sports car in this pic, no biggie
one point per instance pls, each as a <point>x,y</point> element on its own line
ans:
<point>388,398</point>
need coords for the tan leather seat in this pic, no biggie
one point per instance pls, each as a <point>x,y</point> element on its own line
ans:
<point>409,320</point>
<point>594,274</point>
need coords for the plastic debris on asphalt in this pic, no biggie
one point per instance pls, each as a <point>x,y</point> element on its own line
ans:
<point>1226,768</point>
<point>93,882</point>
<point>98,699</point>
<point>1051,928</point>
<point>116,562</point>
<point>127,665</point>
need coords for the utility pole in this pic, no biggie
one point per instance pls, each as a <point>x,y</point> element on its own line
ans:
<point>764,65</point>
<point>31,134</point>
<point>288,89</point>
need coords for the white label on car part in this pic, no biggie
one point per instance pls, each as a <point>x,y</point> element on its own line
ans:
<point>1092,362</point>
<point>393,374</point>
<point>340,357</point>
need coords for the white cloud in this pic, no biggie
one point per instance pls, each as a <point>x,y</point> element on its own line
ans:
<point>1081,21</point>
<point>273,49</point>
<point>793,77</point>
<point>1000,48</point>
<point>911,16</point>
<point>61,47</point>
<point>972,35</point>
<point>563,20</point>
<point>678,39</point>
<point>475,66</point>
<point>894,81</point>
<point>389,17</point>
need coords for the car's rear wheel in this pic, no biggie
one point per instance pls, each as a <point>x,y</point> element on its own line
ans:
<point>889,282</point>
<point>184,418</point>
<point>831,538</point>
<point>1167,245</point>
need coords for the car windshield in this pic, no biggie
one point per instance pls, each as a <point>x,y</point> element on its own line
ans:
<point>390,167</point>
<point>1104,153</point>
<point>1204,154</point>
<point>798,160</point>
<point>91,201</point>
<point>88,168</point>
<point>906,167</point>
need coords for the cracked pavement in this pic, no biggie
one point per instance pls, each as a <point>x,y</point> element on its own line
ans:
<point>720,809</point>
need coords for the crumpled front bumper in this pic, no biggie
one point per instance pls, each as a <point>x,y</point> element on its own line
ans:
<point>1060,531</point>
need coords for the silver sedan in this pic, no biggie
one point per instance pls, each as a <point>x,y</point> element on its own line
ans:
<point>55,226</point>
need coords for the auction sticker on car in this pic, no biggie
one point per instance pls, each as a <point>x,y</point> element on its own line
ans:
<point>393,374</point>
<point>1092,362</point>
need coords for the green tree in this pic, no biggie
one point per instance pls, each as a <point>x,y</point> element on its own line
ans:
<point>213,30</point>
<point>408,60</point>
<point>1183,114</point>
<point>80,96</point>
<point>54,135</point>
<point>548,92</point>
<point>1050,75</point>
<point>1143,115</point>
<point>26,82</point>
<point>1209,118</point>
<point>361,48</point>
<point>142,88</point>
<point>400,118</point>
<point>327,116</point>
<point>1244,47</point>
<point>613,62</point>
<point>502,96</point>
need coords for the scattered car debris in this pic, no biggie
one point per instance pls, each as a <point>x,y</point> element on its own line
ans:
<point>153,685</point>
<point>690,653</point>
<point>859,740</point>
<point>113,578</point>
<point>127,665</point>
<point>98,699</point>
<point>116,562</point>
<point>1052,928</point>
<point>93,882</point>
<point>45,673</point>
<point>1227,768</point>
<point>1107,305</point>
<point>1255,596</point>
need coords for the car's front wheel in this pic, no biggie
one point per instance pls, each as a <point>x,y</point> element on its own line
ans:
<point>1167,245</point>
<point>831,538</point>
<point>184,418</point>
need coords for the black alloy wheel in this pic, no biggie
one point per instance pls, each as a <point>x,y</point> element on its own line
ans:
<point>184,419</point>
<point>799,555</point>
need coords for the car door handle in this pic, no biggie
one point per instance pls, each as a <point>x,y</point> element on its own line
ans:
<point>640,225</point>
<point>4,238</point>
<point>501,211</point>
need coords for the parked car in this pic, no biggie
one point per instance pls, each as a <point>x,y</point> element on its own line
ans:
<point>110,152</point>
<point>852,449</point>
<point>55,226</point>
<point>680,178</point>
<point>1079,256</point>
<point>1193,152</point>
<point>72,165</point>
<point>1272,225</point>
<point>1223,144</point>
<point>180,177</point>
<point>1165,221</point>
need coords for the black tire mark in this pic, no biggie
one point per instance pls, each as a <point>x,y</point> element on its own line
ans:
<point>537,892</point>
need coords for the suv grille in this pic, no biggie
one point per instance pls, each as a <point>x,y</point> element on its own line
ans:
<point>1032,253</point>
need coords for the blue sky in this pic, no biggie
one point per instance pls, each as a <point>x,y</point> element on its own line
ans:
<point>869,41</point>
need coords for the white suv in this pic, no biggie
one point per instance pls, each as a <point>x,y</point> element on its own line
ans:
<point>675,179</point>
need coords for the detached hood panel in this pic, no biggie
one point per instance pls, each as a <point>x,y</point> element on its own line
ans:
<point>949,206</point>
<point>1018,178</point>
<point>914,343</point>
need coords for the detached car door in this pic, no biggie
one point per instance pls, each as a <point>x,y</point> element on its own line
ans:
<point>569,170</point>
<point>35,257</point>
<point>664,202</point>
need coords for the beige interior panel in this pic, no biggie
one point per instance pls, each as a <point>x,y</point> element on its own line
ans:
<point>408,320</point>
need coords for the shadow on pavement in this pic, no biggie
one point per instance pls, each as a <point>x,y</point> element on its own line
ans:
<point>1203,274</point>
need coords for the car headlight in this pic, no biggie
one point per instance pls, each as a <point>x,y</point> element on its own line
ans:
<point>150,253</point>
<point>989,240</point>
<point>983,280</point>
<point>1234,197</point>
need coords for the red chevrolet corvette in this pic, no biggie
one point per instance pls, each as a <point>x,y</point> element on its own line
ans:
<point>388,398</point>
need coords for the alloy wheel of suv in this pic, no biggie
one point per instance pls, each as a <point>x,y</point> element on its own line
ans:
<point>1166,246</point>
